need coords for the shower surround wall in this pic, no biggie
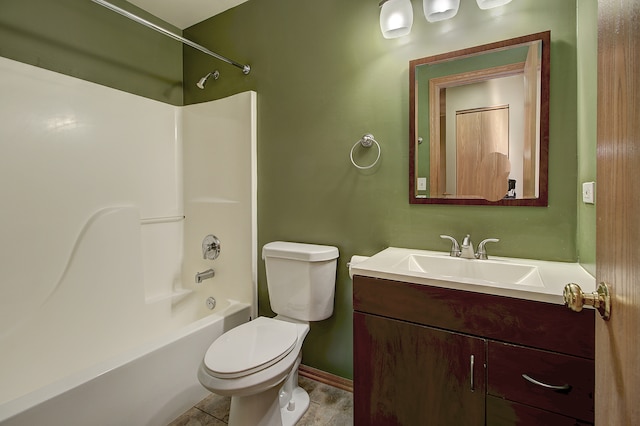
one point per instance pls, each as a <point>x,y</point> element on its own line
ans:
<point>93,219</point>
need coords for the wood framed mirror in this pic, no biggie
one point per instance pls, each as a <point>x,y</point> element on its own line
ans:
<point>479,124</point>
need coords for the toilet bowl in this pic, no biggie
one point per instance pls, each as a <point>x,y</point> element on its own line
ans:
<point>233,367</point>
<point>257,363</point>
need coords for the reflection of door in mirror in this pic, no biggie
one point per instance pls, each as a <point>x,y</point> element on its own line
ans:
<point>531,123</point>
<point>480,133</point>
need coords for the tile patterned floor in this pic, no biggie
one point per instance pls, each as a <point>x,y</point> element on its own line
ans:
<point>329,406</point>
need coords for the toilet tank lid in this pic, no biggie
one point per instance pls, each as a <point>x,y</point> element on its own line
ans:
<point>299,251</point>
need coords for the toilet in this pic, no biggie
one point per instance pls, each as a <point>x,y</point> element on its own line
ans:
<point>257,363</point>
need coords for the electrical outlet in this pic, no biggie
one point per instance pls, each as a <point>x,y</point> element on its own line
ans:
<point>589,192</point>
<point>422,184</point>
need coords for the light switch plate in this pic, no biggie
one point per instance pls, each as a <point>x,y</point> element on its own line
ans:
<point>589,192</point>
<point>422,184</point>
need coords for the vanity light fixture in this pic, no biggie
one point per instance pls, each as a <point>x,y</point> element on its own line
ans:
<point>439,10</point>
<point>396,18</point>
<point>489,4</point>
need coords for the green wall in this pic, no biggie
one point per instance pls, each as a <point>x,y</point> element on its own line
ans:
<point>84,40</point>
<point>325,76</point>
<point>587,120</point>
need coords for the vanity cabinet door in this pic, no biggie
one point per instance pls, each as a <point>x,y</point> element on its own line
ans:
<point>409,374</point>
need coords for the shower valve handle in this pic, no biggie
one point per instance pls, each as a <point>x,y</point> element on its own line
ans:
<point>210,247</point>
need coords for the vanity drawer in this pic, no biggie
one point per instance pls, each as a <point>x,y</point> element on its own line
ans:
<point>523,322</point>
<point>501,412</point>
<point>507,364</point>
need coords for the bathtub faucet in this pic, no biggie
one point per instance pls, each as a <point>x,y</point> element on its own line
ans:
<point>201,276</point>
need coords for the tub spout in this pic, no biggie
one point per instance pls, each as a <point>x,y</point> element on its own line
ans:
<point>201,276</point>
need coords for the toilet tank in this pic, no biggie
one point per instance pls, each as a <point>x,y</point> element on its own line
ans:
<point>301,279</point>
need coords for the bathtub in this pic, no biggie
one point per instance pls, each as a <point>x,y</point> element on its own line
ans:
<point>150,385</point>
<point>101,322</point>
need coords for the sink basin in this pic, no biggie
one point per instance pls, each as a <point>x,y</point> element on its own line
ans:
<point>481,271</point>
<point>529,279</point>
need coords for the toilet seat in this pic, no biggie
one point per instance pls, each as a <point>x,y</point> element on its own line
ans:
<point>250,347</point>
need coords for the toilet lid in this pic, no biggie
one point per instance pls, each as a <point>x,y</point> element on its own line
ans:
<point>250,347</point>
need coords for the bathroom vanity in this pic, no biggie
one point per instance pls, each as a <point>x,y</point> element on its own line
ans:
<point>427,352</point>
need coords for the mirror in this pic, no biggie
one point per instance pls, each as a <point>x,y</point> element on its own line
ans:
<point>479,124</point>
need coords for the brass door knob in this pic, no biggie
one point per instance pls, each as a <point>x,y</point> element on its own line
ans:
<point>575,299</point>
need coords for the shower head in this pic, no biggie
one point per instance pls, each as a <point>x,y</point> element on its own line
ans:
<point>203,80</point>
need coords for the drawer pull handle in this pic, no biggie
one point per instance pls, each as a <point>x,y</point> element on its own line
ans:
<point>560,388</point>
<point>472,364</point>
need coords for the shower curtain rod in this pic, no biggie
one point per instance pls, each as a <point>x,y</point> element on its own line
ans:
<point>136,18</point>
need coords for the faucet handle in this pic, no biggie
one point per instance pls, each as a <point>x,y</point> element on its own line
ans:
<point>210,247</point>
<point>455,248</point>
<point>482,252</point>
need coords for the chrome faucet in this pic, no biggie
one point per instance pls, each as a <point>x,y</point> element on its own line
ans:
<point>201,276</point>
<point>481,253</point>
<point>455,248</point>
<point>465,250</point>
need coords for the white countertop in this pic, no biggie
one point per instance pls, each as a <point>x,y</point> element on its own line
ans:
<point>546,286</point>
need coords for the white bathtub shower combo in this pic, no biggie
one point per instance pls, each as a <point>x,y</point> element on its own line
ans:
<point>106,199</point>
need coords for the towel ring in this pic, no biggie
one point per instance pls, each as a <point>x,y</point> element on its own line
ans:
<point>366,141</point>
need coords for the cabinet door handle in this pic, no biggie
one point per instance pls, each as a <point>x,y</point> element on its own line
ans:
<point>472,362</point>
<point>561,388</point>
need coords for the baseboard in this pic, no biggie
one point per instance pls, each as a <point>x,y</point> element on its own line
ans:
<point>326,378</point>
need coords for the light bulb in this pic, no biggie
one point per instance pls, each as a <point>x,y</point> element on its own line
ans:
<point>488,4</point>
<point>396,18</point>
<point>439,10</point>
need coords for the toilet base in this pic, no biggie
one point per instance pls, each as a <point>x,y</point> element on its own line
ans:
<point>295,407</point>
<point>277,406</point>
<point>264,408</point>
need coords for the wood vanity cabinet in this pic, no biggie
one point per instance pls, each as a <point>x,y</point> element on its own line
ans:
<point>426,355</point>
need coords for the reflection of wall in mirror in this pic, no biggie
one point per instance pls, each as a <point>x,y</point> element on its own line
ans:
<point>500,91</point>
